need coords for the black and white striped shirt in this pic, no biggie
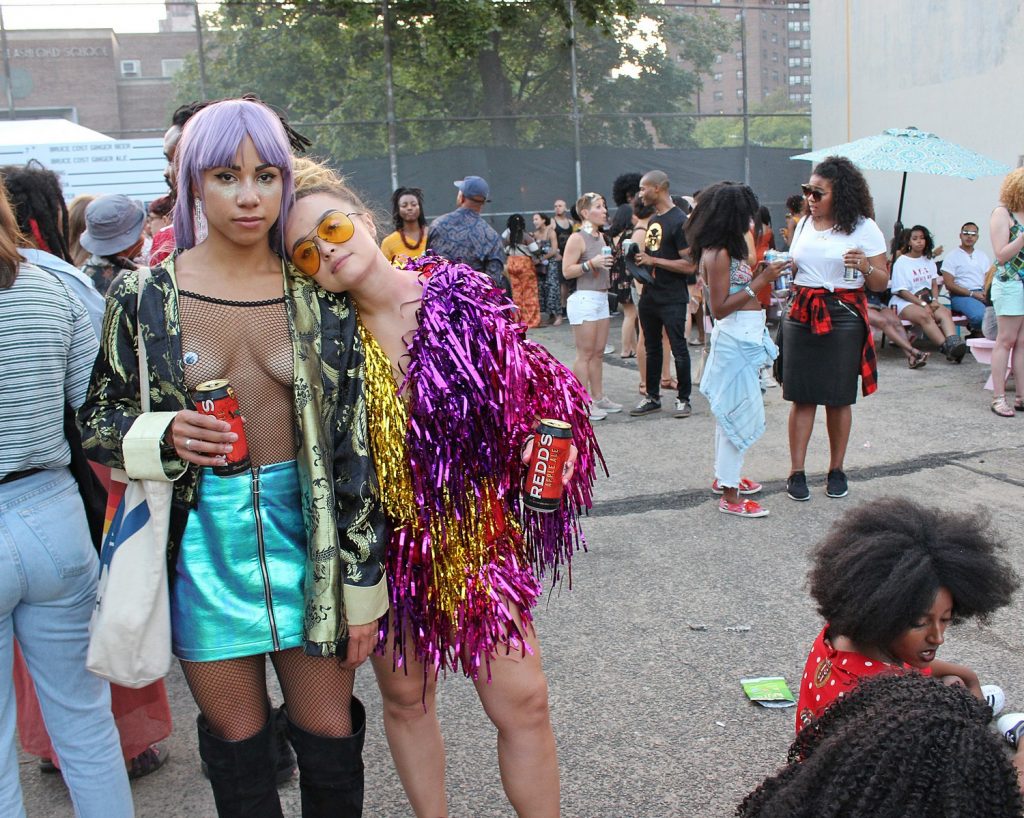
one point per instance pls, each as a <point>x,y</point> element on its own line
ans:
<point>47,350</point>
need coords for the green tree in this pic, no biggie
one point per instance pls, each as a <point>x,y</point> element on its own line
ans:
<point>769,131</point>
<point>455,60</point>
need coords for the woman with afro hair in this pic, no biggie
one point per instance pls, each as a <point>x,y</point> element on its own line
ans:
<point>888,579</point>
<point>898,747</point>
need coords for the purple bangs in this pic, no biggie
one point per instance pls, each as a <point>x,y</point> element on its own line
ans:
<point>211,139</point>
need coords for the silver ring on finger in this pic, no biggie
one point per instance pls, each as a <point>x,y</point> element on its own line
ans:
<point>188,443</point>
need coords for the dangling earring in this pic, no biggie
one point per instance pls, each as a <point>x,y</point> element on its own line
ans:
<point>199,220</point>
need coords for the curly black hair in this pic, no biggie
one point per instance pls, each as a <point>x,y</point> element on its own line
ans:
<point>36,196</point>
<point>899,691</point>
<point>896,747</point>
<point>721,218</point>
<point>396,217</point>
<point>624,186</point>
<point>851,199</point>
<point>929,242</point>
<point>796,204</point>
<point>881,564</point>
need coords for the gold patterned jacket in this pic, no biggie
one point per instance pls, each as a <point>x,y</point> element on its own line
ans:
<point>345,525</point>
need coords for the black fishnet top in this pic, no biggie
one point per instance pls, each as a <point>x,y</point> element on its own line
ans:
<point>248,343</point>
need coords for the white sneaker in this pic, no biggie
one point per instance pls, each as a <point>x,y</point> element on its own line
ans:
<point>609,406</point>
<point>609,349</point>
<point>994,696</point>
<point>597,413</point>
<point>1011,726</point>
<point>767,379</point>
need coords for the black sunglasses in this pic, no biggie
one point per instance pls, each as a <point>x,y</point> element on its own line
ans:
<point>813,192</point>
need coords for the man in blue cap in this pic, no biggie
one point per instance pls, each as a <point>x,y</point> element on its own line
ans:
<point>463,236</point>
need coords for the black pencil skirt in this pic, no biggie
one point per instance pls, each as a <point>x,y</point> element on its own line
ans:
<point>823,369</point>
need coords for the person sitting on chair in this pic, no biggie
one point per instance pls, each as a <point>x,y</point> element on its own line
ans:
<point>915,294</point>
<point>963,272</point>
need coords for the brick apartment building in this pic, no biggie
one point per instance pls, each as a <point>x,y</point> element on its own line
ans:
<point>778,46</point>
<point>116,83</point>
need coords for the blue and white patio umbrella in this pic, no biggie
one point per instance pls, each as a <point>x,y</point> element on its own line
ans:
<point>909,150</point>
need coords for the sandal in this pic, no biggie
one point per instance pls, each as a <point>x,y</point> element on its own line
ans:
<point>1018,404</point>
<point>628,355</point>
<point>919,360</point>
<point>148,761</point>
<point>1001,407</point>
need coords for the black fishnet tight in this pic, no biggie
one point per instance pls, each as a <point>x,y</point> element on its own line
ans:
<point>232,693</point>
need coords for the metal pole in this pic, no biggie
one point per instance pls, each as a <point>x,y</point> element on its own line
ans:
<point>390,81</point>
<point>898,227</point>
<point>746,114</point>
<point>202,54</point>
<point>8,82</point>
<point>575,99</point>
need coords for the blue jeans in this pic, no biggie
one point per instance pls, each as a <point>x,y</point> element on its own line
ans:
<point>971,308</point>
<point>48,573</point>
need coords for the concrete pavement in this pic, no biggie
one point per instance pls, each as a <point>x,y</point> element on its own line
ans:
<point>649,714</point>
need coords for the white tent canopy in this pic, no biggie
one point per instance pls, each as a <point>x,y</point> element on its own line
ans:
<point>46,132</point>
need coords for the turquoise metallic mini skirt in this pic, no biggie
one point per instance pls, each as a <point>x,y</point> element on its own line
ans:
<point>238,587</point>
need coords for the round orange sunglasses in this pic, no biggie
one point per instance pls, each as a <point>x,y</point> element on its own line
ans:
<point>334,227</point>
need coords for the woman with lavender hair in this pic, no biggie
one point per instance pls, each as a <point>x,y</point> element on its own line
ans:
<point>284,558</point>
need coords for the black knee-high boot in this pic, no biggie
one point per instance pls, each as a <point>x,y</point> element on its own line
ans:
<point>242,773</point>
<point>331,769</point>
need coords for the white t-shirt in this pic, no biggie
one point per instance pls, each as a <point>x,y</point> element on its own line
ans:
<point>967,270</point>
<point>912,274</point>
<point>819,253</point>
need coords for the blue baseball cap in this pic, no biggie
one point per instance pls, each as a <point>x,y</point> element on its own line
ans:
<point>474,187</point>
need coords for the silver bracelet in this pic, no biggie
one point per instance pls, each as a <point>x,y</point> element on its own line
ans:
<point>585,267</point>
<point>750,292</point>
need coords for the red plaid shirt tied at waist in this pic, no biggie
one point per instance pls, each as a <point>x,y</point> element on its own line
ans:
<point>810,307</point>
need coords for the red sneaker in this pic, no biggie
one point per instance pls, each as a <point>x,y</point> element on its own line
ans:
<point>747,487</point>
<point>744,508</point>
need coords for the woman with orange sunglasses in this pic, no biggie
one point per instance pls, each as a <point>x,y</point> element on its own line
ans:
<point>453,390</point>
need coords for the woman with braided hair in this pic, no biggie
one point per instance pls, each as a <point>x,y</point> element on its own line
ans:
<point>896,747</point>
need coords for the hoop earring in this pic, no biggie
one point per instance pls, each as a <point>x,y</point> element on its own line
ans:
<point>199,226</point>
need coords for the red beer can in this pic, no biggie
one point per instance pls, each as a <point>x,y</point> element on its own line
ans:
<point>217,398</point>
<point>551,443</point>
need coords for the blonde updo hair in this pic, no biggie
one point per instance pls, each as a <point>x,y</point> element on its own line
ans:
<point>1011,193</point>
<point>312,177</point>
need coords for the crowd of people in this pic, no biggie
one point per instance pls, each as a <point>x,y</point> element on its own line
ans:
<point>382,516</point>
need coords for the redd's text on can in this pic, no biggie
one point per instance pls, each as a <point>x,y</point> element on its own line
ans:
<point>551,443</point>
<point>217,398</point>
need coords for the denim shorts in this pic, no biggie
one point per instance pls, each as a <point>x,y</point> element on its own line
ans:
<point>587,305</point>
<point>1008,296</point>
